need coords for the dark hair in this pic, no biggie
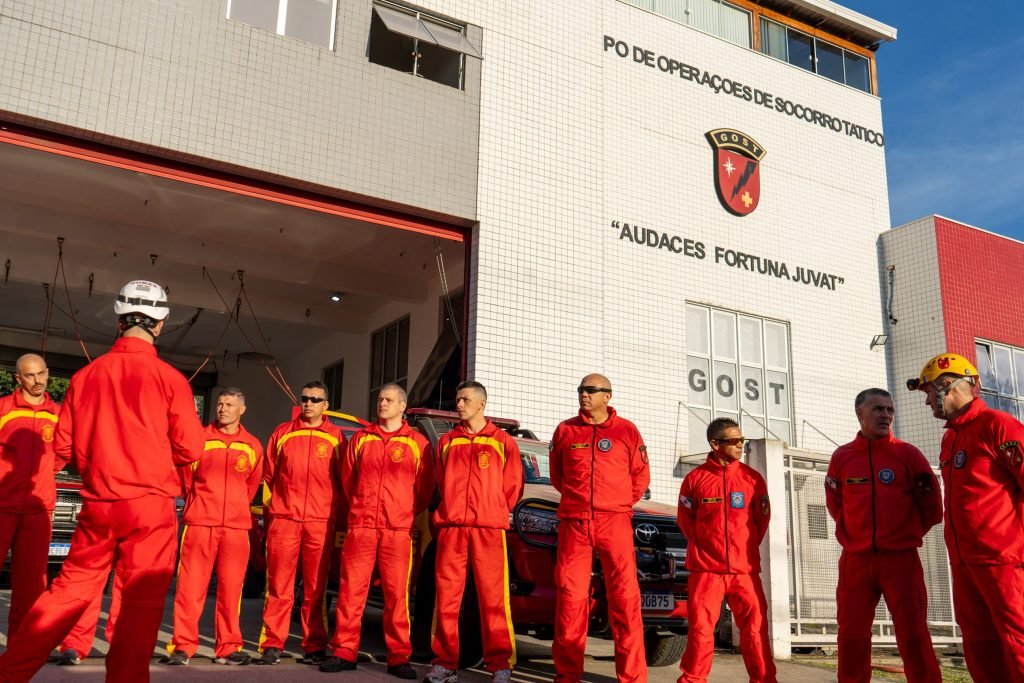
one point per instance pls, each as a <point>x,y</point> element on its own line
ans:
<point>402,394</point>
<point>863,396</point>
<point>316,385</point>
<point>231,391</point>
<point>471,384</point>
<point>718,427</point>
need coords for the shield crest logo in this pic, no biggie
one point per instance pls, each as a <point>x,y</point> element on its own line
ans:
<point>737,169</point>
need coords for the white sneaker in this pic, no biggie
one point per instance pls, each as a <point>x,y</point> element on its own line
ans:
<point>439,674</point>
<point>502,676</point>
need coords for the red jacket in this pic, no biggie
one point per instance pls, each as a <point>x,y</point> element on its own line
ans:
<point>882,494</point>
<point>598,468</point>
<point>982,465</point>
<point>219,486</point>
<point>129,420</point>
<point>300,469</point>
<point>480,476</point>
<point>724,512</point>
<point>27,464</point>
<point>387,477</point>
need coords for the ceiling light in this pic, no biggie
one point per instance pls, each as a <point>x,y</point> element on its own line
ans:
<point>337,297</point>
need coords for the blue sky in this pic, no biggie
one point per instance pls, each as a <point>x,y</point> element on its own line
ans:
<point>952,91</point>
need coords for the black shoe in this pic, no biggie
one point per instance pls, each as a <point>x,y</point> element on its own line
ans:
<point>315,657</point>
<point>335,664</point>
<point>69,657</point>
<point>177,658</point>
<point>234,659</point>
<point>403,671</point>
<point>271,655</point>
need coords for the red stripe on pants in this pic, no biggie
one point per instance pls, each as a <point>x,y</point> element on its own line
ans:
<point>460,547</point>
<point>27,536</point>
<point>745,597</point>
<point>140,533</point>
<point>81,637</point>
<point>202,548</point>
<point>989,605</point>
<point>611,536</point>
<point>863,579</point>
<point>390,550</point>
<point>287,541</point>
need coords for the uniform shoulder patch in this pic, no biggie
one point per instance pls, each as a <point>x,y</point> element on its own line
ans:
<point>831,483</point>
<point>686,502</point>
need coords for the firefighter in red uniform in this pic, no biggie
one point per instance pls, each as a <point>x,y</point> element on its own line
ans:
<point>218,488</point>
<point>480,475</point>
<point>884,498</point>
<point>599,464</point>
<point>28,494</point>
<point>300,469</point>
<point>387,476</point>
<point>982,463</point>
<point>128,420</point>
<point>724,511</point>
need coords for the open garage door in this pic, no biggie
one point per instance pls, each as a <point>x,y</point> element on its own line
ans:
<point>260,278</point>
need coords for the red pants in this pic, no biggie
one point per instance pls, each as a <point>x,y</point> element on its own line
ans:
<point>391,551</point>
<point>863,578</point>
<point>484,549</point>
<point>611,536</point>
<point>81,636</point>
<point>27,536</point>
<point>287,540</point>
<point>989,605</point>
<point>140,533</point>
<point>745,597</point>
<point>202,547</point>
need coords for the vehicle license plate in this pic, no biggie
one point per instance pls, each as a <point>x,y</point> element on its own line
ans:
<point>59,549</point>
<point>657,601</point>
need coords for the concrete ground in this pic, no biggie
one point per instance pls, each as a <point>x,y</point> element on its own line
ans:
<point>534,656</point>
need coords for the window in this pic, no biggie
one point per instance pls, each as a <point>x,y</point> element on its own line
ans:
<point>817,522</point>
<point>737,367</point>
<point>807,52</point>
<point>389,359</point>
<point>710,16</point>
<point>309,20</point>
<point>1001,370</point>
<point>419,44</point>
<point>334,376</point>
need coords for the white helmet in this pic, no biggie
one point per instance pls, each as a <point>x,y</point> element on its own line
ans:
<point>144,298</point>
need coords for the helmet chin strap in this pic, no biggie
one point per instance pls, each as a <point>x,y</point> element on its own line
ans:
<point>941,392</point>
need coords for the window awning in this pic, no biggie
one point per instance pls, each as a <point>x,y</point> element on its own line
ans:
<point>451,39</point>
<point>404,24</point>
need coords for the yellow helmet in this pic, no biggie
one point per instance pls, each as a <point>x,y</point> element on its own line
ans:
<point>944,364</point>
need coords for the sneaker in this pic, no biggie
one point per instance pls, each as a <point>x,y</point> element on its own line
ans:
<point>439,674</point>
<point>314,657</point>
<point>177,658</point>
<point>69,657</point>
<point>234,659</point>
<point>271,655</point>
<point>333,665</point>
<point>502,676</point>
<point>402,671</point>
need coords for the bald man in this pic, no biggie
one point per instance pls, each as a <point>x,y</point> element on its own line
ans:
<point>599,465</point>
<point>28,491</point>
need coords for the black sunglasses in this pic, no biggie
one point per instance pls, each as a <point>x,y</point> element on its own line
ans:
<point>592,390</point>
<point>312,399</point>
<point>738,441</point>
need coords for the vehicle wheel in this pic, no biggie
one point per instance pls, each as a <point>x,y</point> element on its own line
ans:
<point>663,650</point>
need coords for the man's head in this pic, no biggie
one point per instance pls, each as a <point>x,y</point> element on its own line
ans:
<point>31,374</point>
<point>726,439</point>
<point>230,406</point>
<point>593,393</point>
<point>313,401</point>
<point>949,381</point>
<point>470,400</point>
<point>391,402</point>
<point>875,412</point>
<point>141,309</point>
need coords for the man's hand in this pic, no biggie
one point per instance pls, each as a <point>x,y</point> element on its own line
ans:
<point>922,483</point>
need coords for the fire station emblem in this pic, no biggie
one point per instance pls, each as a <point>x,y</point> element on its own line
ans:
<point>396,454</point>
<point>943,363</point>
<point>886,476</point>
<point>321,450</point>
<point>241,464</point>
<point>1013,453</point>
<point>483,460</point>
<point>604,445</point>
<point>46,433</point>
<point>736,500</point>
<point>766,506</point>
<point>960,459</point>
<point>737,169</point>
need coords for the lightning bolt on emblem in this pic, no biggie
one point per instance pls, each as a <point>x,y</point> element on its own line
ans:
<point>747,172</point>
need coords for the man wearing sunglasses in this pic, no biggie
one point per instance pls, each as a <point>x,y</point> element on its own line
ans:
<point>599,464</point>
<point>724,511</point>
<point>884,498</point>
<point>300,471</point>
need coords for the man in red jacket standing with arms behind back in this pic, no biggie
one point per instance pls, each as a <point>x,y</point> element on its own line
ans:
<point>128,420</point>
<point>884,498</point>
<point>599,464</point>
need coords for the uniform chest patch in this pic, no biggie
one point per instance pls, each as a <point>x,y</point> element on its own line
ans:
<point>46,433</point>
<point>483,459</point>
<point>241,464</point>
<point>705,501</point>
<point>396,454</point>
<point>577,446</point>
<point>736,500</point>
<point>856,480</point>
<point>960,459</point>
<point>686,502</point>
<point>322,450</point>
<point>604,445</point>
<point>886,476</point>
